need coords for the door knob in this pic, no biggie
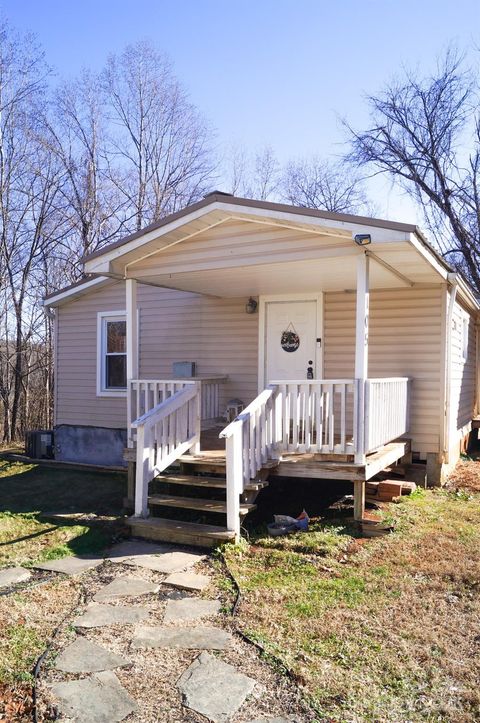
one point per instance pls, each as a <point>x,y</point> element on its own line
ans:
<point>310,370</point>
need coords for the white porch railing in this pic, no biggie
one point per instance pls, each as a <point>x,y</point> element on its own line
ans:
<point>164,433</point>
<point>386,411</point>
<point>145,394</point>
<point>320,416</point>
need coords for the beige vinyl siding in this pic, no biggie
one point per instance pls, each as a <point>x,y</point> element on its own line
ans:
<point>174,326</point>
<point>405,339</point>
<point>76,373</point>
<point>463,373</point>
<point>233,242</point>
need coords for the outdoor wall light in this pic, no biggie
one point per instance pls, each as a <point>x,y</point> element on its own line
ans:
<point>363,239</point>
<point>251,305</point>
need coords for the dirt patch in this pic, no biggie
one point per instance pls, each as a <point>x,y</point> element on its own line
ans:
<point>466,476</point>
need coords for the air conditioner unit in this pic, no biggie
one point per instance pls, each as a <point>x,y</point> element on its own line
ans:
<point>184,369</point>
<point>39,444</point>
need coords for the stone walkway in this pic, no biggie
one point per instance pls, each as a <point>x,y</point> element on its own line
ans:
<point>154,610</point>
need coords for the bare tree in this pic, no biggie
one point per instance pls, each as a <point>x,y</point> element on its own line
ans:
<point>92,203</point>
<point>30,179</point>
<point>159,154</point>
<point>316,183</point>
<point>254,175</point>
<point>425,134</point>
<point>236,165</point>
<point>265,177</point>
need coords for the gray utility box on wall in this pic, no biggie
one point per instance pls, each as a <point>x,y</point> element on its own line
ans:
<point>184,369</point>
<point>39,444</point>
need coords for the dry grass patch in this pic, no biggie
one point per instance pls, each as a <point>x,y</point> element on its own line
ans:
<point>466,475</point>
<point>27,622</point>
<point>388,633</point>
<point>27,619</point>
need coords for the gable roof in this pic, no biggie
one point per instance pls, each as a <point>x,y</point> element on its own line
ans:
<point>218,199</point>
<point>221,197</point>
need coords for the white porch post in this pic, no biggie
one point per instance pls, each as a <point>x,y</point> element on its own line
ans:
<point>361,352</point>
<point>132,346</point>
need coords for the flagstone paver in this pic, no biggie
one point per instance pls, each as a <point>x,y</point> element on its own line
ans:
<point>209,686</point>
<point>135,549</point>
<point>71,565</point>
<point>190,608</point>
<point>97,616</point>
<point>98,699</point>
<point>84,656</point>
<point>12,575</point>
<point>125,586</point>
<point>166,562</point>
<point>198,638</point>
<point>187,581</point>
<point>214,688</point>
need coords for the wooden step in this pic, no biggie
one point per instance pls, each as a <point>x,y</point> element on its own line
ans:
<point>184,533</point>
<point>203,463</point>
<point>213,482</point>
<point>195,503</point>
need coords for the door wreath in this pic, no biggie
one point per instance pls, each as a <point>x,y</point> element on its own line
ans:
<point>290,340</point>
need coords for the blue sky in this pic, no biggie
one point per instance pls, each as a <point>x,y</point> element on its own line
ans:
<point>267,72</point>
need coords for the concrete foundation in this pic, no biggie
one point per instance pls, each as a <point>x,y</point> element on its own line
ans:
<point>436,470</point>
<point>91,445</point>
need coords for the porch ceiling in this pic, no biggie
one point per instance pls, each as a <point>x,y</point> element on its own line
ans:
<point>284,277</point>
<point>221,263</point>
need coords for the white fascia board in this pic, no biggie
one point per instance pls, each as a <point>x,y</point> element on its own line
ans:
<point>464,291</point>
<point>346,229</point>
<point>69,294</point>
<point>429,256</point>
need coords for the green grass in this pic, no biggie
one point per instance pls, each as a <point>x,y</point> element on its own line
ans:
<point>47,513</point>
<point>25,539</point>
<point>383,629</point>
<point>46,489</point>
<point>24,644</point>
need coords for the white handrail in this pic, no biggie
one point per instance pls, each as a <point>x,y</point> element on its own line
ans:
<point>165,408</point>
<point>144,395</point>
<point>252,407</point>
<point>164,433</point>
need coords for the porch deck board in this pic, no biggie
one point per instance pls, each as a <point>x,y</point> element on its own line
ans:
<point>311,465</point>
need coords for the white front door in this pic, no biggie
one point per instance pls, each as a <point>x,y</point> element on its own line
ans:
<point>290,340</point>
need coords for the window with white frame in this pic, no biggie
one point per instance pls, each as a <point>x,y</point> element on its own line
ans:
<point>112,353</point>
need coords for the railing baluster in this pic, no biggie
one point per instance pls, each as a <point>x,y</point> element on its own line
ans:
<point>293,389</point>
<point>251,425</point>
<point>342,417</point>
<point>246,452</point>
<point>258,440</point>
<point>319,416</point>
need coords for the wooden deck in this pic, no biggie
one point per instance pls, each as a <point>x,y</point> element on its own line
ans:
<point>206,470</point>
<point>311,466</point>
